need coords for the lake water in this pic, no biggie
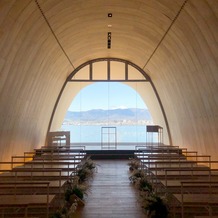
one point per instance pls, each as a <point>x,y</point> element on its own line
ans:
<point>95,133</point>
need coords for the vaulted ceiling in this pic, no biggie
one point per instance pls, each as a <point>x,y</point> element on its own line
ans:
<point>174,41</point>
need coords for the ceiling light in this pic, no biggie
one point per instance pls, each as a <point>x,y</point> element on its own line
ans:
<point>109,40</point>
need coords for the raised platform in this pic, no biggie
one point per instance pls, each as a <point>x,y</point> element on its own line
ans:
<point>110,154</point>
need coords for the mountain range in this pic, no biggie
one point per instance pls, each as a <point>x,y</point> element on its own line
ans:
<point>100,115</point>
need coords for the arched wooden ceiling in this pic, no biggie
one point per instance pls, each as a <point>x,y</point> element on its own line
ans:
<point>173,41</point>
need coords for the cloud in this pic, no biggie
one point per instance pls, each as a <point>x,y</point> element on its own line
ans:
<point>119,107</point>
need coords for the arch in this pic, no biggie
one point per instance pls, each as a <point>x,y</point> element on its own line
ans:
<point>145,78</point>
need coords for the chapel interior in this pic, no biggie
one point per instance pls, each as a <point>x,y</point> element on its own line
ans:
<point>167,50</point>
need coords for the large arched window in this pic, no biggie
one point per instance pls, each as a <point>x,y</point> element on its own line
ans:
<point>111,104</point>
<point>110,70</point>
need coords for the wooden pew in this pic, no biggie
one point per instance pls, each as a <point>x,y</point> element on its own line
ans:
<point>69,167</point>
<point>199,173</point>
<point>60,157</point>
<point>205,216</point>
<point>59,160</point>
<point>25,199</point>
<point>171,157</point>
<point>54,186</point>
<point>156,163</point>
<point>206,200</point>
<point>32,163</point>
<point>52,150</point>
<point>188,156</point>
<point>49,165</point>
<point>177,169</point>
<point>79,147</point>
<point>25,174</point>
<point>26,187</point>
<point>160,148</point>
<point>160,151</point>
<point>46,160</point>
<point>162,176</point>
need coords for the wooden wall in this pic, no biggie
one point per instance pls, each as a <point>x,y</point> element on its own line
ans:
<point>185,71</point>
<point>176,46</point>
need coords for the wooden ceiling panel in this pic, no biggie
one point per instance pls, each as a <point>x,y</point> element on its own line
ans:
<point>136,27</point>
<point>42,42</point>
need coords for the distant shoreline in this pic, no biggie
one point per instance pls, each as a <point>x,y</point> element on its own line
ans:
<point>119,117</point>
<point>106,123</point>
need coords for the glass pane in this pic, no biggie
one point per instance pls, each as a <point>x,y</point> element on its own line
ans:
<point>100,70</point>
<point>82,74</point>
<point>134,74</point>
<point>117,70</point>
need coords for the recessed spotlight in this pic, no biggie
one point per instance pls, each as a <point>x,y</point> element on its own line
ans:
<point>109,40</point>
<point>109,14</point>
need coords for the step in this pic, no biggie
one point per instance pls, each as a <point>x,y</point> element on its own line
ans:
<point>110,154</point>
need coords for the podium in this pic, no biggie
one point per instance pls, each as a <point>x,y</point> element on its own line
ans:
<point>59,138</point>
<point>154,132</point>
<point>109,138</point>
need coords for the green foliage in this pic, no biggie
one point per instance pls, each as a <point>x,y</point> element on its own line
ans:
<point>77,185</point>
<point>78,192</point>
<point>144,185</point>
<point>133,164</point>
<point>86,170</point>
<point>137,174</point>
<point>56,214</point>
<point>84,174</point>
<point>89,164</point>
<point>67,194</point>
<point>74,187</point>
<point>155,206</point>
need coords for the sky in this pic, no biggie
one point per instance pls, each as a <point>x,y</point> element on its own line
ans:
<point>106,95</point>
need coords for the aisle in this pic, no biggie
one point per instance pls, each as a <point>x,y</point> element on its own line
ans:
<point>112,196</point>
